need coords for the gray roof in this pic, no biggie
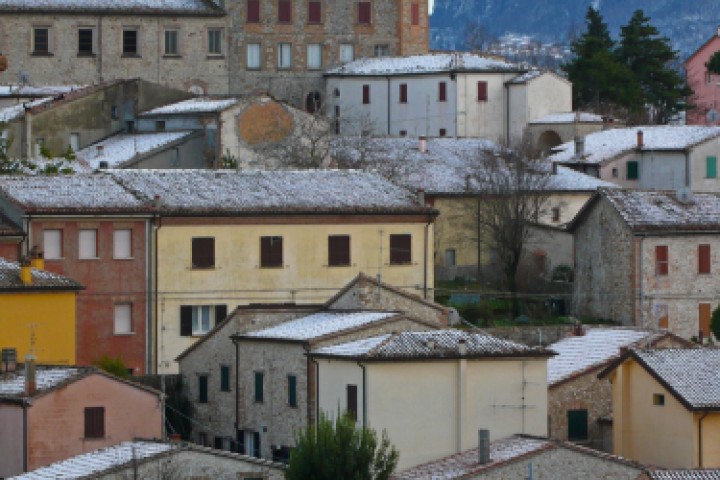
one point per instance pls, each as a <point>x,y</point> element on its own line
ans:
<point>46,378</point>
<point>41,279</point>
<point>8,228</point>
<point>693,375</point>
<point>433,344</point>
<point>713,474</point>
<point>118,7</point>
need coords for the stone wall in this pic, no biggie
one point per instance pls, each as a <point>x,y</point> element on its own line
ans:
<point>532,336</point>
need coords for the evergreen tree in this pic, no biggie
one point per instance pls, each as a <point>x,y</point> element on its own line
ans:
<point>649,56</point>
<point>341,450</point>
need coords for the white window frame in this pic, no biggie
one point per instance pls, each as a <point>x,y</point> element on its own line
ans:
<point>214,45</point>
<point>52,243</point>
<point>122,319</point>
<point>122,244</point>
<point>202,319</point>
<point>284,56</point>
<point>175,32</point>
<point>346,53</point>
<point>314,56</point>
<point>253,56</point>
<point>87,244</point>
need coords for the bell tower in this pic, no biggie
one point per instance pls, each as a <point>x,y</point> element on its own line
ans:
<point>413,27</point>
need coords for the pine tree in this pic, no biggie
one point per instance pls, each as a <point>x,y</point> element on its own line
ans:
<point>649,57</point>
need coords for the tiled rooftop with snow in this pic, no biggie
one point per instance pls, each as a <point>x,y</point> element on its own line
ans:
<point>429,63</point>
<point>41,279</point>
<point>193,105</point>
<point>569,117</point>
<point>705,474</point>
<point>8,114</point>
<point>45,377</point>
<point>320,324</point>
<point>123,147</point>
<point>179,7</point>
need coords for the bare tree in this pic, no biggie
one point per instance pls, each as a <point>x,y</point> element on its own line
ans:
<point>477,36</point>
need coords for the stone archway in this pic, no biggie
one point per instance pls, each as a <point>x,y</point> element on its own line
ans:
<point>547,140</point>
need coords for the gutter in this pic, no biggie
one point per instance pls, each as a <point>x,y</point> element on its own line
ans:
<point>700,437</point>
<point>364,393</point>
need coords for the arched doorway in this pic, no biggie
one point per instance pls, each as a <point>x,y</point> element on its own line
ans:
<point>548,140</point>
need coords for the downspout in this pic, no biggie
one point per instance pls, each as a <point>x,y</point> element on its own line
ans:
<point>687,168</point>
<point>700,445</point>
<point>425,261</point>
<point>237,388</point>
<point>309,409</point>
<point>28,236</point>
<point>25,437</point>
<point>507,115</point>
<point>640,281</point>
<point>156,323</point>
<point>100,50</point>
<point>388,105</point>
<point>364,394</point>
<point>148,298</point>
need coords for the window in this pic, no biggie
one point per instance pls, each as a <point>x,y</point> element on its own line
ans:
<point>52,244</point>
<point>199,319</point>
<point>403,93</point>
<point>704,259</point>
<point>202,388</point>
<point>224,378</point>
<point>658,399</point>
<point>9,359</point>
<point>253,11</point>
<point>253,56</point>
<point>41,40</point>
<point>400,249</point>
<point>632,170</point>
<point>366,94</point>
<point>313,102</point>
<point>382,50</point>
<point>85,41</point>
<point>123,319</point>
<point>314,56</point>
<point>352,401</point>
<point>450,257</point>
<point>130,42</point>
<point>364,13</point>
<point>202,439</point>
<point>339,250</point>
<point>615,172</point>
<point>482,91</point>
<point>160,125</point>
<point>711,167</point>
<point>661,260</point>
<point>214,41</point>
<point>442,92</point>
<point>203,252</point>
<point>284,54</point>
<point>122,244</point>
<point>556,214</point>
<point>94,422</point>
<point>285,11</point>
<point>347,53</point>
<point>259,378</point>
<point>314,12</point>
<point>219,441</point>
<point>87,243</point>
<point>403,133</point>
<point>577,421</point>
<point>442,132</point>
<point>292,390</point>
<point>704,314</point>
<point>415,13</point>
<point>271,252</point>
<point>171,42</point>
<point>337,120</point>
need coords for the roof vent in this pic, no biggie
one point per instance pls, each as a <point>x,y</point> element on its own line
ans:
<point>431,345</point>
<point>99,150</point>
<point>103,165</point>
<point>483,446</point>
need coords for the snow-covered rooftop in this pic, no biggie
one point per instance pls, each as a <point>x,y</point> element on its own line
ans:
<point>608,144</point>
<point>45,378</point>
<point>41,279</point>
<point>123,147</point>
<point>694,374</point>
<point>420,64</point>
<point>577,354</point>
<point>8,114</point>
<point>170,7</point>
<point>448,166</point>
<point>193,105</point>
<point>707,474</point>
<point>652,210</point>
<point>35,91</point>
<point>320,324</point>
<point>463,464</point>
<point>569,117</point>
<point>91,463</point>
<point>526,77</point>
<point>440,343</point>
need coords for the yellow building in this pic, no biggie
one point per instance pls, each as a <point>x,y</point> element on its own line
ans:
<point>666,407</point>
<point>37,313</point>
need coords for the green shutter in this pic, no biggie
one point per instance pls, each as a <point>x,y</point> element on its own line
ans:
<point>711,167</point>
<point>258,386</point>
<point>632,170</point>
<point>224,378</point>
<point>292,390</point>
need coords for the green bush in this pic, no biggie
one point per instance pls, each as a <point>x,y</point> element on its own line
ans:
<point>715,323</point>
<point>112,365</point>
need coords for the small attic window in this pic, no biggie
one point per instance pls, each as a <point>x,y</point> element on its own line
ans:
<point>659,399</point>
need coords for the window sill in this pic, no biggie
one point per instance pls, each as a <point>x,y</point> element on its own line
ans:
<point>273,267</point>
<point>125,334</point>
<point>86,55</point>
<point>89,258</point>
<point>41,54</point>
<point>284,69</point>
<point>94,439</point>
<point>214,56</point>
<point>130,55</point>
<point>408,264</point>
<point>123,258</point>
<point>54,259</point>
<point>199,334</point>
<point>253,69</point>
<point>339,266</point>
<point>172,55</point>
<point>193,267</point>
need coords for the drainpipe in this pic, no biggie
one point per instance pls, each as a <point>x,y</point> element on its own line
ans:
<point>700,436</point>
<point>25,436</point>
<point>425,261</point>
<point>100,50</point>
<point>237,388</point>
<point>148,298</point>
<point>507,115</point>
<point>27,131</point>
<point>306,346</point>
<point>155,324</point>
<point>388,105</point>
<point>687,168</point>
<point>317,391</point>
<point>364,394</point>
<point>461,390</point>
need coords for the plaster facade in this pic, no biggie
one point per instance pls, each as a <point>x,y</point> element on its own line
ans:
<point>542,95</point>
<point>705,85</point>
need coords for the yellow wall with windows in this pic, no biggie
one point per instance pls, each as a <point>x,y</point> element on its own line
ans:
<point>238,279</point>
<point>50,315</point>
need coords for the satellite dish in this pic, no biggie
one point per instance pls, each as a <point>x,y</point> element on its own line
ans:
<point>712,115</point>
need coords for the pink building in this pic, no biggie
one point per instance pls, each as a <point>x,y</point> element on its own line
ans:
<point>706,86</point>
<point>68,411</point>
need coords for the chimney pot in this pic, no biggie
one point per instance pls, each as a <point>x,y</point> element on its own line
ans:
<point>640,139</point>
<point>462,346</point>
<point>423,144</point>
<point>25,271</point>
<point>554,168</point>
<point>421,196</point>
<point>579,147</point>
<point>100,150</point>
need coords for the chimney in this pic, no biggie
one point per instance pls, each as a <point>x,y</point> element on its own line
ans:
<point>100,150</point>
<point>578,329</point>
<point>30,378</point>
<point>431,345</point>
<point>37,258</point>
<point>462,347</point>
<point>579,147</point>
<point>483,447</point>
<point>421,196</point>
<point>156,201</point>
<point>607,121</point>
<point>640,142</point>
<point>25,271</point>
<point>554,168</point>
<point>423,144</point>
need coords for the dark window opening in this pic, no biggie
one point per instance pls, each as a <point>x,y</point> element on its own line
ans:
<point>85,41</point>
<point>415,14</point>
<point>366,94</point>
<point>203,252</point>
<point>94,422</point>
<point>284,11</point>
<point>633,173</point>
<point>219,441</point>
<point>224,378</point>
<point>253,11</point>
<point>160,125</point>
<point>314,12</point>
<point>658,399</point>
<point>443,132</point>
<point>312,102</point>
<point>364,12</point>
<point>403,93</point>
<point>271,252</point>
<point>202,389</point>
<point>259,377</point>
<point>661,260</point>
<point>352,401</point>
<point>130,42</point>
<point>400,249</point>
<point>339,250</point>
<point>577,425</point>
<point>41,40</point>
<point>292,390</point>
<point>482,91</point>
<point>442,92</point>
<point>704,258</point>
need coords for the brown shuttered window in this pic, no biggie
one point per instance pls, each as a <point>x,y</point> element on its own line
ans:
<point>442,92</point>
<point>703,258</point>
<point>364,12</point>
<point>704,314</point>
<point>339,250</point>
<point>314,12</point>
<point>284,11</point>
<point>366,94</point>
<point>400,249</point>
<point>403,93</point>
<point>661,260</point>
<point>203,252</point>
<point>352,401</point>
<point>415,13</point>
<point>253,11</point>
<point>94,422</point>
<point>186,316</point>
<point>271,252</point>
<point>482,92</point>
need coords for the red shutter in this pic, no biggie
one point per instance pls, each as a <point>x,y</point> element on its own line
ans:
<point>442,92</point>
<point>703,258</point>
<point>482,91</point>
<point>284,11</point>
<point>403,93</point>
<point>366,94</point>
<point>661,260</point>
<point>364,12</point>
<point>253,11</point>
<point>415,13</point>
<point>314,12</point>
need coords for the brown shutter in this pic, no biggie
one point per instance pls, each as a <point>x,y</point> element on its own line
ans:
<point>415,13</point>
<point>203,252</point>
<point>442,92</point>
<point>482,91</point>
<point>314,12</point>
<point>661,260</point>
<point>403,93</point>
<point>220,313</point>
<point>703,258</point>
<point>94,422</point>
<point>339,250</point>
<point>364,12</point>
<point>400,249</point>
<point>285,11</point>
<point>352,401</point>
<point>271,252</point>
<point>253,11</point>
<point>366,94</point>
<point>704,315</point>
<point>186,320</point>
